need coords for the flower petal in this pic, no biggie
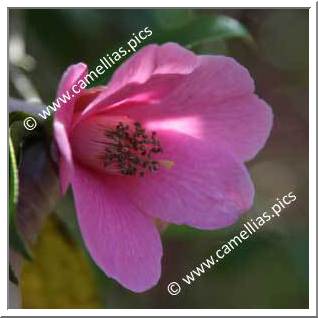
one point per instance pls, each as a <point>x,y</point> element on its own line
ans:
<point>66,166</point>
<point>206,187</point>
<point>62,122</point>
<point>70,77</point>
<point>169,58</point>
<point>219,94</point>
<point>155,66</point>
<point>123,241</point>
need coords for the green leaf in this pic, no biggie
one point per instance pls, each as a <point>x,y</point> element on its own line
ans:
<point>206,29</point>
<point>31,170</point>
<point>172,18</point>
<point>13,180</point>
<point>19,110</point>
<point>16,241</point>
<point>17,116</point>
<point>36,182</point>
<point>39,189</point>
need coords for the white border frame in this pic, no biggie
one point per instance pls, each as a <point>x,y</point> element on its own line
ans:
<point>312,161</point>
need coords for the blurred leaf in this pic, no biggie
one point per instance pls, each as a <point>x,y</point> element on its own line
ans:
<point>39,189</point>
<point>60,275</point>
<point>13,179</point>
<point>17,116</point>
<point>38,194</point>
<point>37,174</point>
<point>16,241</point>
<point>19,110</point>
<point>186,233</point>
<point>20,136</point>
<point>21,141</point>
<point>173,18</point>
<point>205,29</point>
<point>218,47</point>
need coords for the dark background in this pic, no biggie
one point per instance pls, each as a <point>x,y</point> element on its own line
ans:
<point>270,269</point>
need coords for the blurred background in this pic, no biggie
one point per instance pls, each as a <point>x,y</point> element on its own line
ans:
<point>270,270</point>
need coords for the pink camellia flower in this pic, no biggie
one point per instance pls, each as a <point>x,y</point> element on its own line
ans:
<point>166,139</point>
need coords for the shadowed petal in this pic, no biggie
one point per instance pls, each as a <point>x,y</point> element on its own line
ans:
<point>123,241</point>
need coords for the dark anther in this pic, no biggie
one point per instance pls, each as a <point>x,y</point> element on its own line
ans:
<point>131,149</point>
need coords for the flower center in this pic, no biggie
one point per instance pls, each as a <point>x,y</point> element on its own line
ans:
<point>131,149</point>
<point>117,145</point>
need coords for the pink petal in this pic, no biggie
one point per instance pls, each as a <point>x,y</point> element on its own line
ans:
<point>206,188</point>
<point>123,241</point>
<point>219,95</point>
<point>148,64</point>
<point>169,58</point>
<point>66,166</point>
<point>62,122</point>
<point>242,125</point>
<point>70,77</point>
<point>87,96</point>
